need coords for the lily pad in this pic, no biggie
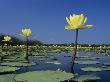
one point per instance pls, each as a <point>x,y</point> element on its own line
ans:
<point>44,76</point>
<point>87,62</point>
<point>7,78</point>
<point>16,64</point>
<point>7,69</point>
<point>54,62</point>
<point>88,78</point>
<point>96,69</point>
<point>106,64</point>
<point>105,68</point>
<point>85,58</point>
<point>91,69</point>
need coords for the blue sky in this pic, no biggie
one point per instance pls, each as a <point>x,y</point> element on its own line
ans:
<point>46,18</point>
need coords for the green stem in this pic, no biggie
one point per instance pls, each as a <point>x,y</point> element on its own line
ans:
<point>2,47</point>
<point>27,48</point>
<point>75,51</point>
<point>7,47</point>
<point>76,42</point>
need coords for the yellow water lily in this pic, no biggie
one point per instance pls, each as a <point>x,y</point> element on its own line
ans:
<point>7,38</point>
<point>76,22</point>
<point>26,32</point>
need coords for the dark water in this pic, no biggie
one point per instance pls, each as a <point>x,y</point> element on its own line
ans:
<point>66,64</point>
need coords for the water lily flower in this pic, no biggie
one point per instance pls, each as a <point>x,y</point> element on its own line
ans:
<point>26,32</point>
<point>76,22</point>
<point>7,38</point>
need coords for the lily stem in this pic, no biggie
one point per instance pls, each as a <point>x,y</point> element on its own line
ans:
<point>75,50</point>
<point>7,47</point>
<point>27,46</point>
<point>76,43</point>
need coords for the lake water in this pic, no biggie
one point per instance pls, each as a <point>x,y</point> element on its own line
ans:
<point>65,65</point>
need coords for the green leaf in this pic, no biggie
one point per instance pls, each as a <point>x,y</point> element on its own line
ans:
<point>44,76</point>
<point>91,69</point>
<point>87,62</point>
<point>87,78</point>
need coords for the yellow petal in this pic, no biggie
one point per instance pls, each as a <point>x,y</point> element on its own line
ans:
<point>85,26</point>
<point>26,32</point>
<point>85,20</point>
<point>68,21</point>
<point>73,15</point>
<point>80,21</point>
<point>77,22</point>
<point>68,27</point>
<point>7,38</point>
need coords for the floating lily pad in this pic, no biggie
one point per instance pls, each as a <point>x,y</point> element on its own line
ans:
<point>16,64</point>
<point>44,76</point>
<point>91,69</point>
<point>94,69</point>
<point>12,60</point>
<point>106,64</point>
<point>105,68</point>
<point>86,58</point>
<point>88,78</point>
<point>54,62</point>
<point>7,78</point>
<point>87,62</point>
<point>83,56</point>
<point>7,69</point>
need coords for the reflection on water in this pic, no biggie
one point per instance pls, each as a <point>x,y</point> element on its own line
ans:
<point>65,65</point>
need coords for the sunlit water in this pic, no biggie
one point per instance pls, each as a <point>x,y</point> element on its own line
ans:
<point>66,65</point>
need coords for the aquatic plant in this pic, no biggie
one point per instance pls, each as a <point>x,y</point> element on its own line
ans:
<point>7,78</point>
<point>7,39</point>
<point>17,64</point>
<point>106,64</point>
<point>105,68</point>
<point>91,69</point>
<point>44,76</point>
<point>84,58</point>
<point>54,62</point>
<point>7,69</point>
<point>96,69</point>
<point>88,78</point>
<point>26,33</point>
<point>76,22</point>
<point>87,62</point>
